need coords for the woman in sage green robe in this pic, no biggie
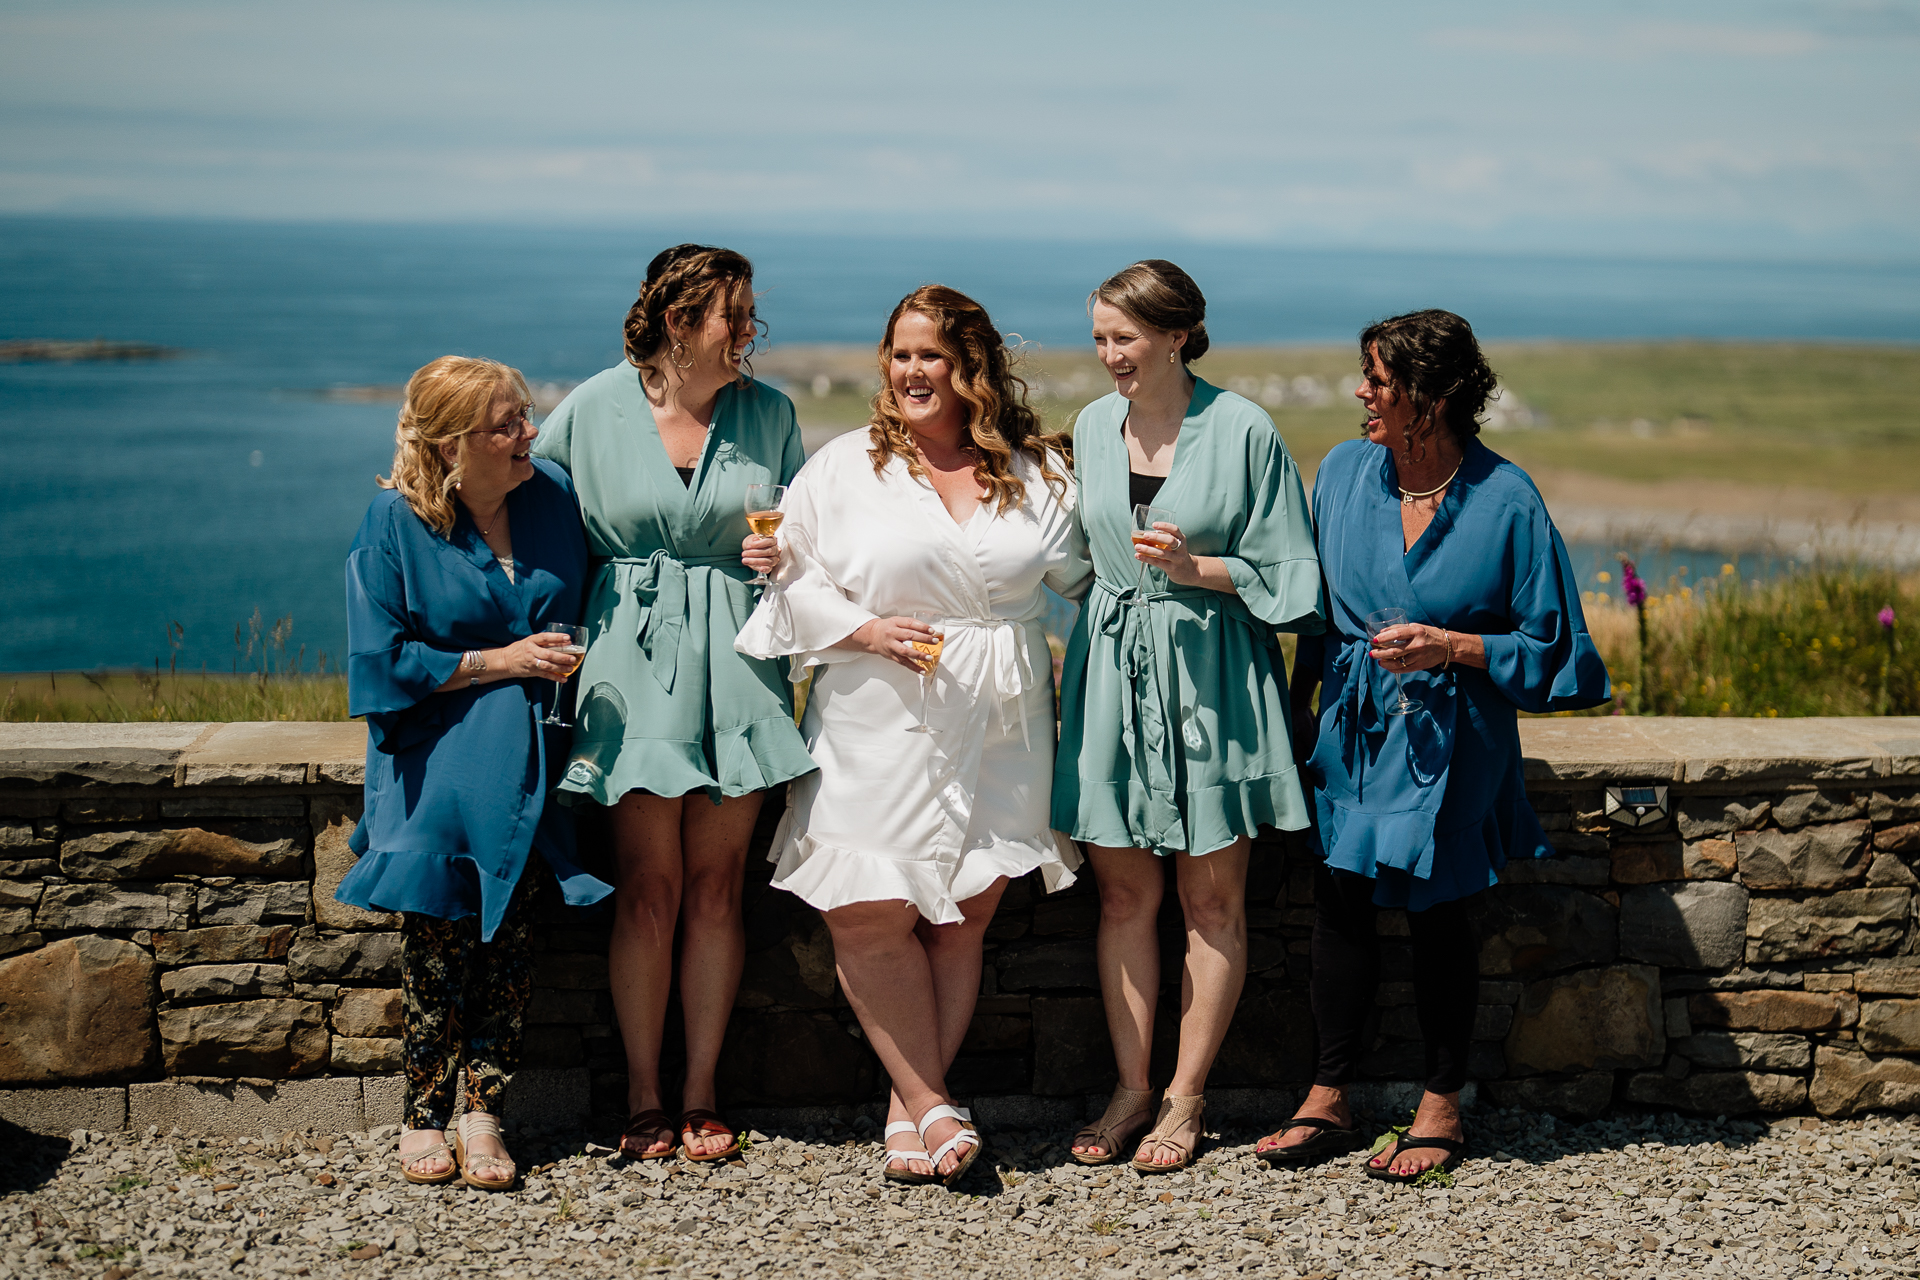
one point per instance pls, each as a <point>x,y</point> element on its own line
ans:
<point>1173,712</point>
<point>676,731</point>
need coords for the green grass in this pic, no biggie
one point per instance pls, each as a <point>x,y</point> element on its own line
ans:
<point>145,696</point>
<point>1806,645</point>
<point>1828,416</point>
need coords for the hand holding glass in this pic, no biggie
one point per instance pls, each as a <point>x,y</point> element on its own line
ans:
<point>764,517</point>
<point>1378,621</point>
<point>931,648</point>
<point>1144,534</point>
<point>574,651</point>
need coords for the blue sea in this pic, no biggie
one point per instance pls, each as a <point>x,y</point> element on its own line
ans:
<point>199,490</point>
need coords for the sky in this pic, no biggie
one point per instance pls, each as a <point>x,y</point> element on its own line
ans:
<point>1768,129</point>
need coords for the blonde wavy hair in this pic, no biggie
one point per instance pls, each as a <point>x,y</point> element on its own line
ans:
<point>999,421</point>
<point>447,400</point>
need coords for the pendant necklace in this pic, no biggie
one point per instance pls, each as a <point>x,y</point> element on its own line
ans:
<point>1407,497</point>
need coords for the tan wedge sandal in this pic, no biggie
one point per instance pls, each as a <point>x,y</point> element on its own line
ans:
<point>484,1173</point>
<point>1176,1111</point>
<point>1113,1127</point>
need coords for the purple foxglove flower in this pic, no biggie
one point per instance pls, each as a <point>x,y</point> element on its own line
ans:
<point>1886,617</point>
<point>1631,586</point>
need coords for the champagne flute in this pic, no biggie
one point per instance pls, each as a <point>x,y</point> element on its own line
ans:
<point>1377,621</point>
<point>576,649</point>
<point>1144,534</point>
<point>764,517</point>
<point>931,648</point>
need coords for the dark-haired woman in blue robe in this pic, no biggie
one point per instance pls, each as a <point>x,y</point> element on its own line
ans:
<point>1419,811</point>
<point>456,582</point>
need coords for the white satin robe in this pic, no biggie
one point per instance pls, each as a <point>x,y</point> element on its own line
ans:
<point>929,819</point>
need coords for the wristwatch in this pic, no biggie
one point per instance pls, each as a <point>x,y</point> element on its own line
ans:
<point>473,662</point>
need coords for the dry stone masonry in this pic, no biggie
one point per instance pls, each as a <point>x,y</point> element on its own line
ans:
<point>171,953</point>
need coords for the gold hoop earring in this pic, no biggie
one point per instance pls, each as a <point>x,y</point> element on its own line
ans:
<point>678,349</point>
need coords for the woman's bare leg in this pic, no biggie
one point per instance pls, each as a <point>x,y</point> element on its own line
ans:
<point>1131,884</point>
<point>888,979</point>
<point>649,877</point>
<point>713,939</point>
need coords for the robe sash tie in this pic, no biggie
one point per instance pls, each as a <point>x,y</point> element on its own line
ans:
<point>1146,716</point>
<point>1007,671</point>
<point>659,583</point>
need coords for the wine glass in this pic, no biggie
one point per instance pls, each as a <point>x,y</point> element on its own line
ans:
<point>1377,621</point>
<point>931,648</point>
<point>575,648</point>
<point>764,517</point>
<point>1144,518</point>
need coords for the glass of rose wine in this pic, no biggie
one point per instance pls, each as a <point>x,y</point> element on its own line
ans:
<point>931,649</point>
<point>575,651</point>
<point>764,517</point>
<point>1144,534</point>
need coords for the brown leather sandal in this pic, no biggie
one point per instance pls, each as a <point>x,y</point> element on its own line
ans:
<point>705,1124</point>
<point>1112,1129</point>
<point>644,1128</point>
<point>1176,1111</point>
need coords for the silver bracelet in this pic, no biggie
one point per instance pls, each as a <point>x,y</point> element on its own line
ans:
<point>473,662</point>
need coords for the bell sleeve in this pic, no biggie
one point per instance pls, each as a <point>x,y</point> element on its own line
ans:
<point>1548,662</point>
<point>807,612</point>
<point>1272,563</point>
<point>388,671</point>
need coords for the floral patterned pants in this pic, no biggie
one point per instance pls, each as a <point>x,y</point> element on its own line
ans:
<point>465,999</point>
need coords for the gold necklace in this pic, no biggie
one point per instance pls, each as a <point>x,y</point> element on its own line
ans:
<point>1407,497</point>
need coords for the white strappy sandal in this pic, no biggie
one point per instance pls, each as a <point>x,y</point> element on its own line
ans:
<point>968,1135</point>
<point>899,1172</point>
<point>476,1170</point>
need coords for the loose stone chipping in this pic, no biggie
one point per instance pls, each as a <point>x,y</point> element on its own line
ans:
<point>1649,1195</point>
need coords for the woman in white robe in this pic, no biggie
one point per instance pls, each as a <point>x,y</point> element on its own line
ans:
<point>953,504</point>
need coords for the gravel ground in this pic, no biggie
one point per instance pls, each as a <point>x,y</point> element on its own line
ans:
<point>1652,1195</point>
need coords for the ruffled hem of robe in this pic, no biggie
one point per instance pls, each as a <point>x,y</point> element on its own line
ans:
<point>445,885</point>
<point>1215,816</point>
<point>745,758</point>
<point>1465,859</point>
<point>826,876</point>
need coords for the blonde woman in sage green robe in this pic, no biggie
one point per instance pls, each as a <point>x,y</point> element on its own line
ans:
<point>1174,713</point>
<point>675,730</point>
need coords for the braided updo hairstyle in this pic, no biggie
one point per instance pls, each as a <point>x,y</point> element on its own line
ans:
<point>684,281</point>
<point>1158,294</point>
<point>1432,356</point>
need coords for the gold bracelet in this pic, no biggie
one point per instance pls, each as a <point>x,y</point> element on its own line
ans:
<point>1449,661</point>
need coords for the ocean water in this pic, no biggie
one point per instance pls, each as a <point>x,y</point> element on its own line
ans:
<point>202,489</point>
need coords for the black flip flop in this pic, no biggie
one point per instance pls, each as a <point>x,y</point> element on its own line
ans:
<point>1328,1140</point>
<point>1455,1153</point>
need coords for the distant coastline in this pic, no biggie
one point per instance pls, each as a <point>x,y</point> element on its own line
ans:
<point>95,350</point>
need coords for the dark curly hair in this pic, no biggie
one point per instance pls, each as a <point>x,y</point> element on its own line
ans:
<point>1000,423</point>
<point>1158,294</point>
<point>1432,356</point>
<point>688,278</point>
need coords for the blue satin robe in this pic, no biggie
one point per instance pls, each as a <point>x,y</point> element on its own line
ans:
<point>456,788</point>
<point>1432,805</point>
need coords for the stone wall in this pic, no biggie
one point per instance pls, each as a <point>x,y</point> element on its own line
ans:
<point>171,953</point>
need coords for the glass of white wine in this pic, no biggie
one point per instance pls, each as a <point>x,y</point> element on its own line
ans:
<point>764,517</point>
<point>575,649</point>
<point>930,648</point>
<point>1144,534</point>
<point>1377,621</point>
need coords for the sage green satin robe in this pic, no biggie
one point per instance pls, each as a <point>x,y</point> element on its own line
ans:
<point>665,704</point>
<point>1173,706</point>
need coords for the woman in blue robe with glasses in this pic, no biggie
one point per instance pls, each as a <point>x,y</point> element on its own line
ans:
<point>456,584</point>
<point>1452,607</point>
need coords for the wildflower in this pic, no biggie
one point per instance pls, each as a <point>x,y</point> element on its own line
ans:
<point>1727,571</point>
<point>1604,576</point>
<point>1886,617</point>
<point>1631,586</point>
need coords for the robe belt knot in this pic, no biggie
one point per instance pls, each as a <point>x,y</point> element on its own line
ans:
<point>660,585</point>
<point>1145,717</point>
<point>1007,672</point>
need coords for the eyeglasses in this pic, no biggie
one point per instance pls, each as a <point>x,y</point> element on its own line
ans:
<point>521,420</point>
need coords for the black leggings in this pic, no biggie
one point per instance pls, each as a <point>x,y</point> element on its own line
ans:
<point>1346,974</point>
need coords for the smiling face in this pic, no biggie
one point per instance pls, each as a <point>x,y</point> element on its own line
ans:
<point>921,375</point>
<point>1389,413</point>
<point>494,456</point>
<point>718,341</point>
<point>1135,355</point>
